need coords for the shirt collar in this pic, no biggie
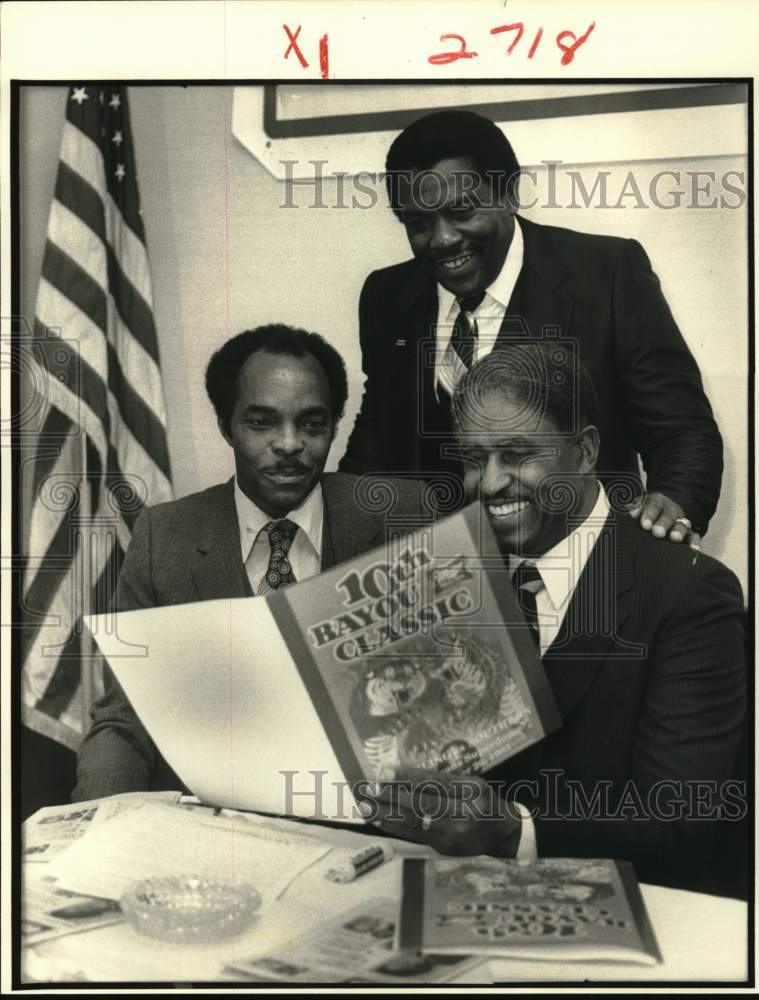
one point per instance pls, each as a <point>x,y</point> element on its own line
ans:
<point>501,288</point>
<point>251,519</point>
<point>561,567</point>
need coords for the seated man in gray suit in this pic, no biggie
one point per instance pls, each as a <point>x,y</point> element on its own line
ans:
<point>278,393</point>
<point>642,644</point>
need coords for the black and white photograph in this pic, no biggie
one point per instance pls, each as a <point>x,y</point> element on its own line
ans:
<point>378,481</point>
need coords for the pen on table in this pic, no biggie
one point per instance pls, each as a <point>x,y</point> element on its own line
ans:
<point>366,860</point>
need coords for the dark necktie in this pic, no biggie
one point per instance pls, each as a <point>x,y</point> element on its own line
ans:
<point>464,333</point>
<point>280,572</point>
<point>527,582</point>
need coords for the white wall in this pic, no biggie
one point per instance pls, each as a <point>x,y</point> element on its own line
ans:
<point>225,255</point>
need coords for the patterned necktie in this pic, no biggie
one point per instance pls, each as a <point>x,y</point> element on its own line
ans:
<point>280,572</point>
<point>464,335</point>
<point>527,583</point>
<point>463,344</point>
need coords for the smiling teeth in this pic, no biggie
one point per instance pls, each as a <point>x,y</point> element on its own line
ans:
<point>506,509</point>
<point>452,265</point>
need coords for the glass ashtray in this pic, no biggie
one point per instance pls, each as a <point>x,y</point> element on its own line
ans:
<point>191,908</point>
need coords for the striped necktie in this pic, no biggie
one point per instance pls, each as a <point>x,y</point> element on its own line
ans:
<point>279,572</point>
<point>462,346</point>
<point>527,583</point>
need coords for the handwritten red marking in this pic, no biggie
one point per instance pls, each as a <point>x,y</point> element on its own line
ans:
<point>443,58</point>
<point>293,46</point>
<point>324,56</point>
<point>535,44</point>
<point>569,50</point>
<point>518,26</point>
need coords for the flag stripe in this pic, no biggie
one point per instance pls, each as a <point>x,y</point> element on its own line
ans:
<point>132,308</point>
<point>72,192</point>
<point>88,566</point>
<point>55,563</point>
<point>79,402</point>
<point>90,128</point>
<point>138,367</point>
<point>49,577</point>
<point>54,495</point>
<point>130,453</point>
<point>77,241</point>
<point>83,159</point>
<point>76,374</point>
<point>76,377</point>
<point>94,474</point>
<point>73,281</point>
<point>114,478</point>
<point>65,679</point>
<point>57,423</point>
<point>80,198</point>
<point>55,429</point>
<point>64,683</point>
<point>141,421</point>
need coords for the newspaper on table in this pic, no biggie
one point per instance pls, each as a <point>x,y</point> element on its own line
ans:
<point>156,840</point>
<point>414,654</point>
<point>355,947</point>
<point>53,828</point>
<point>52,912</point>
<point>548,909</point>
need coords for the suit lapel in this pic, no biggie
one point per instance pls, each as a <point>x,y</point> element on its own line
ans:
<point>218,570</point>
<point>418,300</point>
<point>539,302</point>
<point>590,633</point>
<point>416,379</point>
<point>349,530</point>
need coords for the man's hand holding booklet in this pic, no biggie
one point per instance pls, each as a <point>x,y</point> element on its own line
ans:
<point>412,656</point>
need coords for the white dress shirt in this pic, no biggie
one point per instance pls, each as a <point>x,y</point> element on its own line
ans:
<point>560,569</point>
<point>306,552</point>
<point>488,314</point>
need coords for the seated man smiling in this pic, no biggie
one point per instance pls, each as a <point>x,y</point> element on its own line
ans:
<point>642,644</point>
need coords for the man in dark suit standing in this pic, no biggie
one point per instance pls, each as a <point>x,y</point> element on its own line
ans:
<point>278,393</point>
<point>642,644</point>
<point>482,276</point>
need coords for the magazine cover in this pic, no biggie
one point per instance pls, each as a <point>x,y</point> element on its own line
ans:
<point>417,654</point>
<point>551,908</point>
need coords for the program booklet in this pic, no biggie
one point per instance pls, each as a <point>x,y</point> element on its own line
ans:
<point>559,909</point>
<point>415,653</point>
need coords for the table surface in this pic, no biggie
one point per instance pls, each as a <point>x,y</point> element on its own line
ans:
<point>701,938</point>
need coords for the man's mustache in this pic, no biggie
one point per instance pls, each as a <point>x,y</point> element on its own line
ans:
<point>285,467</point>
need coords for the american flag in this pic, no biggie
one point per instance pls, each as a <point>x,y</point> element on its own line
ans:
<point>101,452</point>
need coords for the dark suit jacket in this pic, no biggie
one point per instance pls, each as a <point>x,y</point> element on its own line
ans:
<point>598,291</point>
<point>648,674</point>
<point>189,550</point>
